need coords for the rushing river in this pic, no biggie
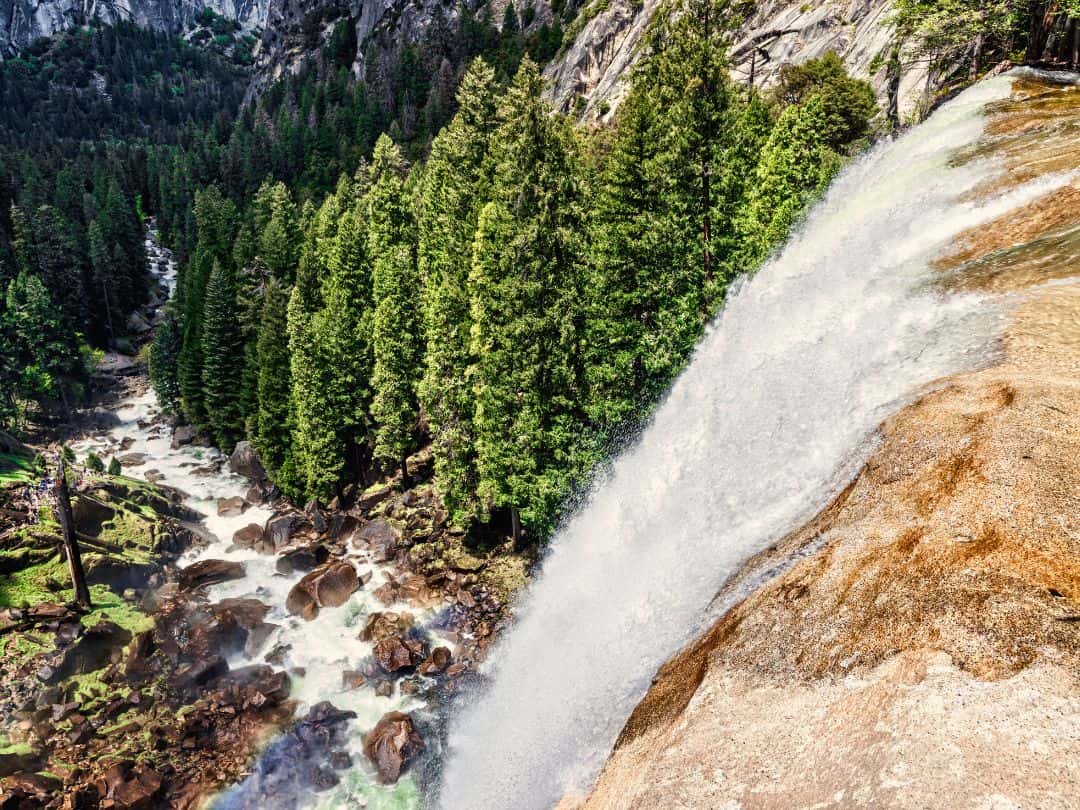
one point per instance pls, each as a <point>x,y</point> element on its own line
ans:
<point>318,651</point>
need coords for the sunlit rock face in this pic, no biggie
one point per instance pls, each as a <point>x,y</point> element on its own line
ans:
<point>23,21</point>
<point>596,65</point>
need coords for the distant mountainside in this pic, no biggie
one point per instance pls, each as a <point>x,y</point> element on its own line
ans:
<point>24,21</point>
<point>587,76</point>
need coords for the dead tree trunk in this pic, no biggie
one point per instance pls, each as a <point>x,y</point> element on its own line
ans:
<point>67,528</point>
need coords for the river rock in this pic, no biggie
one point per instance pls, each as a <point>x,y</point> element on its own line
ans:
<point>391,745</point>
<point>248,537</point>
<point>95,647</point>
<point>132,459</point>
<point>436,662</point>
<point>245,461</point>
<point>371,498</point>
<point>209,572</point>
<point>329,585</point>
<point>132,787</point>
<point>184,434</point>
<point>304,558</point>
<point>381,538</point>
<point>396,653</point>
<point>262,679</point>
<point>315,515</point>
<point>255,494</point>
<point>230,507</point>
<point>280,529</point>
<point>385,625</point>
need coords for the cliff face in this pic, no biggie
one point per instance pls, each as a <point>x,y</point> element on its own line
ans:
<point>596,65</point>
<point>23,21</point>
<point>924,643</point>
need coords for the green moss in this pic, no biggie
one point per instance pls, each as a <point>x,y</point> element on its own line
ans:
<point>18,648</point>
<point>16,749</point>
<point>16,469</point>
<point>35,584</point>
<point>108,606</point>
<point>134,533</point>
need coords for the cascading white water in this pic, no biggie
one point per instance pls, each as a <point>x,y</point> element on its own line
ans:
<point>775,412</point>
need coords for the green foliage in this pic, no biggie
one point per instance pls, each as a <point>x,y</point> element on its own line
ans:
<point>114,466</point>
<point>222,353</point>
<point>94,462</point>
<point>452,190</point>
<point>848,104</point>
<point>273,426</point>
<point>525,298</point>
<point>796,165</point>
<point>163,365</point>
<point>395,324</point>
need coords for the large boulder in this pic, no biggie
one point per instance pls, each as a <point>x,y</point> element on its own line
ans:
<point>296,764</point>
<point>435,663</point>
<point>329,585</point>
<point>302,559</point>
<point>250,536</point>
<point>95,647</point>
<point>272,685</point>
<point>231,507</point>
<point>209,572</point>
<point>381,538</point>
<point>280,530</point>
<point>397,654</point>
<point>391,745</point>
<point>245,461</point>
<point>384,625</point>
<point>184,434</point>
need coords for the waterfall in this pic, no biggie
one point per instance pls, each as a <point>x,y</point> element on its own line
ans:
<point>776,411</point>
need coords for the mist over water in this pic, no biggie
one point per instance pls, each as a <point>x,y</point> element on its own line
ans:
<point>776,411</point>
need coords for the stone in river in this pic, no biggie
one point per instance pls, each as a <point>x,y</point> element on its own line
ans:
<point>209,572</point>
<point>245,461</point>
<point>249,536</point>
<point>230,507</point>
<point>391,745</point>
<point>329,585</point>
<point>395,654</point>
<point>185,434</point>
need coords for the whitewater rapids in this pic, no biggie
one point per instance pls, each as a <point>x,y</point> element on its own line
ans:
<point>775,413</point>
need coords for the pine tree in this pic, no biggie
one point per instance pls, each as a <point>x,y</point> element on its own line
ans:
<point>318,448</point>
<point>45,353</point>
<point>273,427</point>
<point>395,326</point>
<point>396,347</point>
<point>342,330</point>
<point>163,363</point>
<point>796,165</point>
<point>222,352</point>
<point>452,191</point>
<point>525,289</point>
<point>104,285</point>
<point>279,235</point>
